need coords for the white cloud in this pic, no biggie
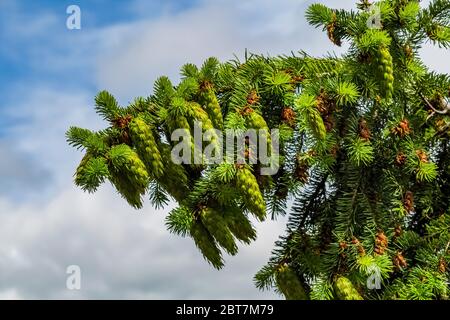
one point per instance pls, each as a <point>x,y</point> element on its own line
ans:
<point>137,53</point>
<point>36,145</point>
<point>9,294</point>
<point>122,253</point>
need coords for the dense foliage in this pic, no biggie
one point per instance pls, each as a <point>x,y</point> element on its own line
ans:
<point>364,158</point>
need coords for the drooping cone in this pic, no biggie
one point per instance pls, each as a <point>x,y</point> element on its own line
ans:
<point>175,179</point>
<point>386,70</point>
<point>218,228</point>
<point>206,244</point>
<point>256,121</point>
<point>146,146</point>
<point>126,188</point>
<point>289,284</point>
<point>201,116</point>
<point>240,226</point>
<point>128,174</point>
<point>209,102</point>
<point>80,172</point>
<point>248,186</point>
<point>345,290</point>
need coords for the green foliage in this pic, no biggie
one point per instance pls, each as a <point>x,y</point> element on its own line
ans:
<point>372,40</point>
<point>107,106</point>
<point>346,93</point>
<point>360,152</point>
<point>85,139</point>
<point>91,173</point>
<point>321,290</point>
<point>179,221</point>
<point>364,163</point>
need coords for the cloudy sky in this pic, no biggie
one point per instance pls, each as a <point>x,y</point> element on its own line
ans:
<point>48,78</point>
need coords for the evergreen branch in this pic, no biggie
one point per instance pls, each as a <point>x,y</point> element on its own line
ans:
<point>107,106</point>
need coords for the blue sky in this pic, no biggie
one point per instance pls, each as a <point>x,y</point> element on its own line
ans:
<point>16,58</point>
<point>48,78</point>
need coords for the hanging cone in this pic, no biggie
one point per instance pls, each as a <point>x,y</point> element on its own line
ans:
<point>247,184</point>
<point>345,290</point>
<point>146,146</point>
<point>218,228</point>
<point>128,174</point>
<point>209,102</point>
<point>206,244</point>
<point>386,71</point>
<point>240,226</point>
<point>289,284</point>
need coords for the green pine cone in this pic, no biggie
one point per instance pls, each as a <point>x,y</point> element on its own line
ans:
<point>200,115</point>
<point>138,172</point>
<point>128,173</point>
<point>256,121</point>
<point>125,188</point>
<point>386,71</point>
<point>240,226</point>
<point>206,244</point>
<point>218,228</point>
<point>80,172</point>
<point>289,284</point>
<point>317,124</point>
<point>181,122</point>
<point>211,105</point>
<point>247,184</point>
<point>146,146</point>
<point>175,179</point>
<point>91,173</point>
<point>345,290</point>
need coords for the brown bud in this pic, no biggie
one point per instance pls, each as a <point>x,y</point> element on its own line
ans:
<point>331,28</point>
<point>343,245</point>
<point>409,52</point>
<point>442,265</point>
<point>381,243</point>
<point>205,85</point>
<point>402,129</point>
<point>423,158</point>
<point>398,231</point>
<point>288,116</point>
<point>400,159</point>
<point>400,261</point>
<point>364,131</point>
<point>246,111</point>
<point>252,97</point>
<point>408,201</point>
<point>298,79</point>
<point>122,122</point>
